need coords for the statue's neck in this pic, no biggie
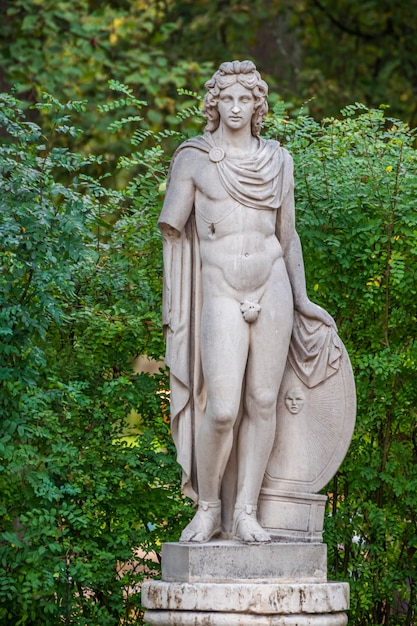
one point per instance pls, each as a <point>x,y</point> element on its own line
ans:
<point>235,143</point>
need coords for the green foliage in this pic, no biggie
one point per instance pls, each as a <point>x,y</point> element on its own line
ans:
<point>79,49</point>
<point>88,480</point>
<point>85,501</point>
<point>313,51</point>
<point>356,184</point>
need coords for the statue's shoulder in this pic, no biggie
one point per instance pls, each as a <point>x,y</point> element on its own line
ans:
<point>274,146</point>
<point>190,152</point>
<point>200,142</point>
<point>187,158</point>
<point>277,154</point>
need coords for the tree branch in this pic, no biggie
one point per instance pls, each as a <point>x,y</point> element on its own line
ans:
<point>347,29</point>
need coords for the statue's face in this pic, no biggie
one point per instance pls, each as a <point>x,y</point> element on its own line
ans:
<point>236,106</point>
<point>294,400</point>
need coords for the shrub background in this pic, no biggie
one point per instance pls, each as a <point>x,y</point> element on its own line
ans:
<point>85,498</point>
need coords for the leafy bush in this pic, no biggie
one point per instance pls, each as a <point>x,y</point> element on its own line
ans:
<point>356,180</point>
<point>88,480</point>
<point>85,501</point>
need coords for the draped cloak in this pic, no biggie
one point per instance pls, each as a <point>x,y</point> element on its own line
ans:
<point>263,180</point>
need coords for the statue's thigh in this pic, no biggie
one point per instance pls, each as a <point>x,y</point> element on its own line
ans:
<point>269,342</point>
<point>224,344</point>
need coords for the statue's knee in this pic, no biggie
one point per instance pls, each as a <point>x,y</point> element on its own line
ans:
<point>222,417</point>
<point>262,405</point>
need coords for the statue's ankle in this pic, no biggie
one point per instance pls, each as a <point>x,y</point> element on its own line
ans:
<point>213,506</point>
<point>241,510</point>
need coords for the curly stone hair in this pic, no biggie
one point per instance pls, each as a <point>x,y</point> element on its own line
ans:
<point>229,73</point>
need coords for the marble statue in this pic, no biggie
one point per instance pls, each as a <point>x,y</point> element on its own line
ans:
<point>234,286</point>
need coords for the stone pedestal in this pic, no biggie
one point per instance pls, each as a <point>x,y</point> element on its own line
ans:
<point>231,584</point>
<point>234,562</point>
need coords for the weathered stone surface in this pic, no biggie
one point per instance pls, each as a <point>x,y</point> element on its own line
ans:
<point>216,604</point>
<point>292,516</point>
<point>191,618</point>
<point>268,599</point>
<point>227,561</point>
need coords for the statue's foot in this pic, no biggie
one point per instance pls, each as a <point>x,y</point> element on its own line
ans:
<point>246,527</point>
<point>205,524</point>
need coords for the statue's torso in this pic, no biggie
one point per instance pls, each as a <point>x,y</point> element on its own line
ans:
<point>238,245</point>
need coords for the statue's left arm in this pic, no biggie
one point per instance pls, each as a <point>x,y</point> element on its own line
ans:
<point>293,254</point>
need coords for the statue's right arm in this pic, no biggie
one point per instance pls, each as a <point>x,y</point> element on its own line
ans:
<point>177,208</point>
<point>179,199</point>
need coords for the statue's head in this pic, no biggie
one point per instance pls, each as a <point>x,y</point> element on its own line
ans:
<point>229,73</point>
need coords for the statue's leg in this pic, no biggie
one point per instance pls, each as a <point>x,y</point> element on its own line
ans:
<point>224,350</point>
<point>269,341</point>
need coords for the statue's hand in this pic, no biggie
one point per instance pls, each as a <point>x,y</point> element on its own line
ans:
<point>316,312</point>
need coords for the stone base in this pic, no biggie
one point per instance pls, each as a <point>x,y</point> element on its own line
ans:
<point>233,604</point>
<point>227,583</point>
<point>291,516</point>
<point>232,561</point>
<point>190,618</point>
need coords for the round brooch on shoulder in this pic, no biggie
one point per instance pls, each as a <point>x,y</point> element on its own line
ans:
<point>216,154</point>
